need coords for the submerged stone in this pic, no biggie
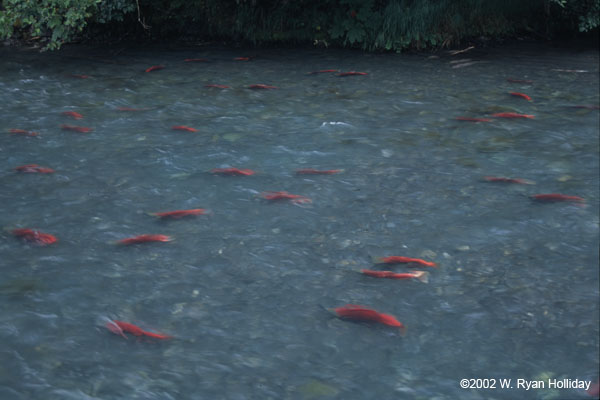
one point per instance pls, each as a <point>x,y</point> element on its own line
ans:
<point>231,137</point>
<point>314,389</point>
<point>20,287</point>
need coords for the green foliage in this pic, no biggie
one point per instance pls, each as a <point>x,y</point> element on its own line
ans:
<point>355,22</point>
<point>574,15</point>
<point>392,25</point>
<point>587,13</point>
<point>52,21</point>
<point>591,20</point>
<point>113,10</point>
<point>414,24</point>
<point>400,24</point>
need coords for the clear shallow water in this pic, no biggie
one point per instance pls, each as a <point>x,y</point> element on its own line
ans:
<point>516,294</point>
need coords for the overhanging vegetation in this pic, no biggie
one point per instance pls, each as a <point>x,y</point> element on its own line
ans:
<point>367,24</point>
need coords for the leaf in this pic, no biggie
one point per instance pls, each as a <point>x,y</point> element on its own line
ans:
<point>55,22</point>
<point>337,31</point>
<point>355,34</point>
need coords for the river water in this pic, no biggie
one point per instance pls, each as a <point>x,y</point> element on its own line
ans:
<point>243,290</point>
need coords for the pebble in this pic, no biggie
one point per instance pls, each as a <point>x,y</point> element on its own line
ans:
<point>565,178</point>
<point>178,308</point>
<point>428,254</point>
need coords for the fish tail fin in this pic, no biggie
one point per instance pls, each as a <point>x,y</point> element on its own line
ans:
<point>402,330</point>
<point>152,214</point>
<point>163,337</point>
<point>378,260</point>
<point>156,335</point>
<point>423,276</point>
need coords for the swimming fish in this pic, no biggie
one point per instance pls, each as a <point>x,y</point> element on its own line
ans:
<point>232,171</point>
<point>113,327</point>
<point>80,76</point>
<point>242,58</point>
<point>34,168</point>
<point>464,63</point>
<point>521,95</point>
<point>72,114</point>
<point>195,60</point>
<point>335,123</point>
<point>594,389</point>
<point>469,119</point>
<point>507,180</point>
<point>295,198</point>
<point>74,128</point>
<point>261,86</point>
<point>310,171</point>
<point>145,238</point>
<point>455,52</point>
<point>555,197</point>
<point>215,85</point>
<point>400,259</point>
<point>23,132</point>
<point>179,213</point>
<point>512,80</point>
<point>155,68</point>
<point>183,128</point>
<point>323,71</point>
<point>134,330</point>
<point>420,275</point>
<point>361,313</point>
<point>35,236</point>
<point>352,73</point>
<point>512,115</point>
<point>570,70</point>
